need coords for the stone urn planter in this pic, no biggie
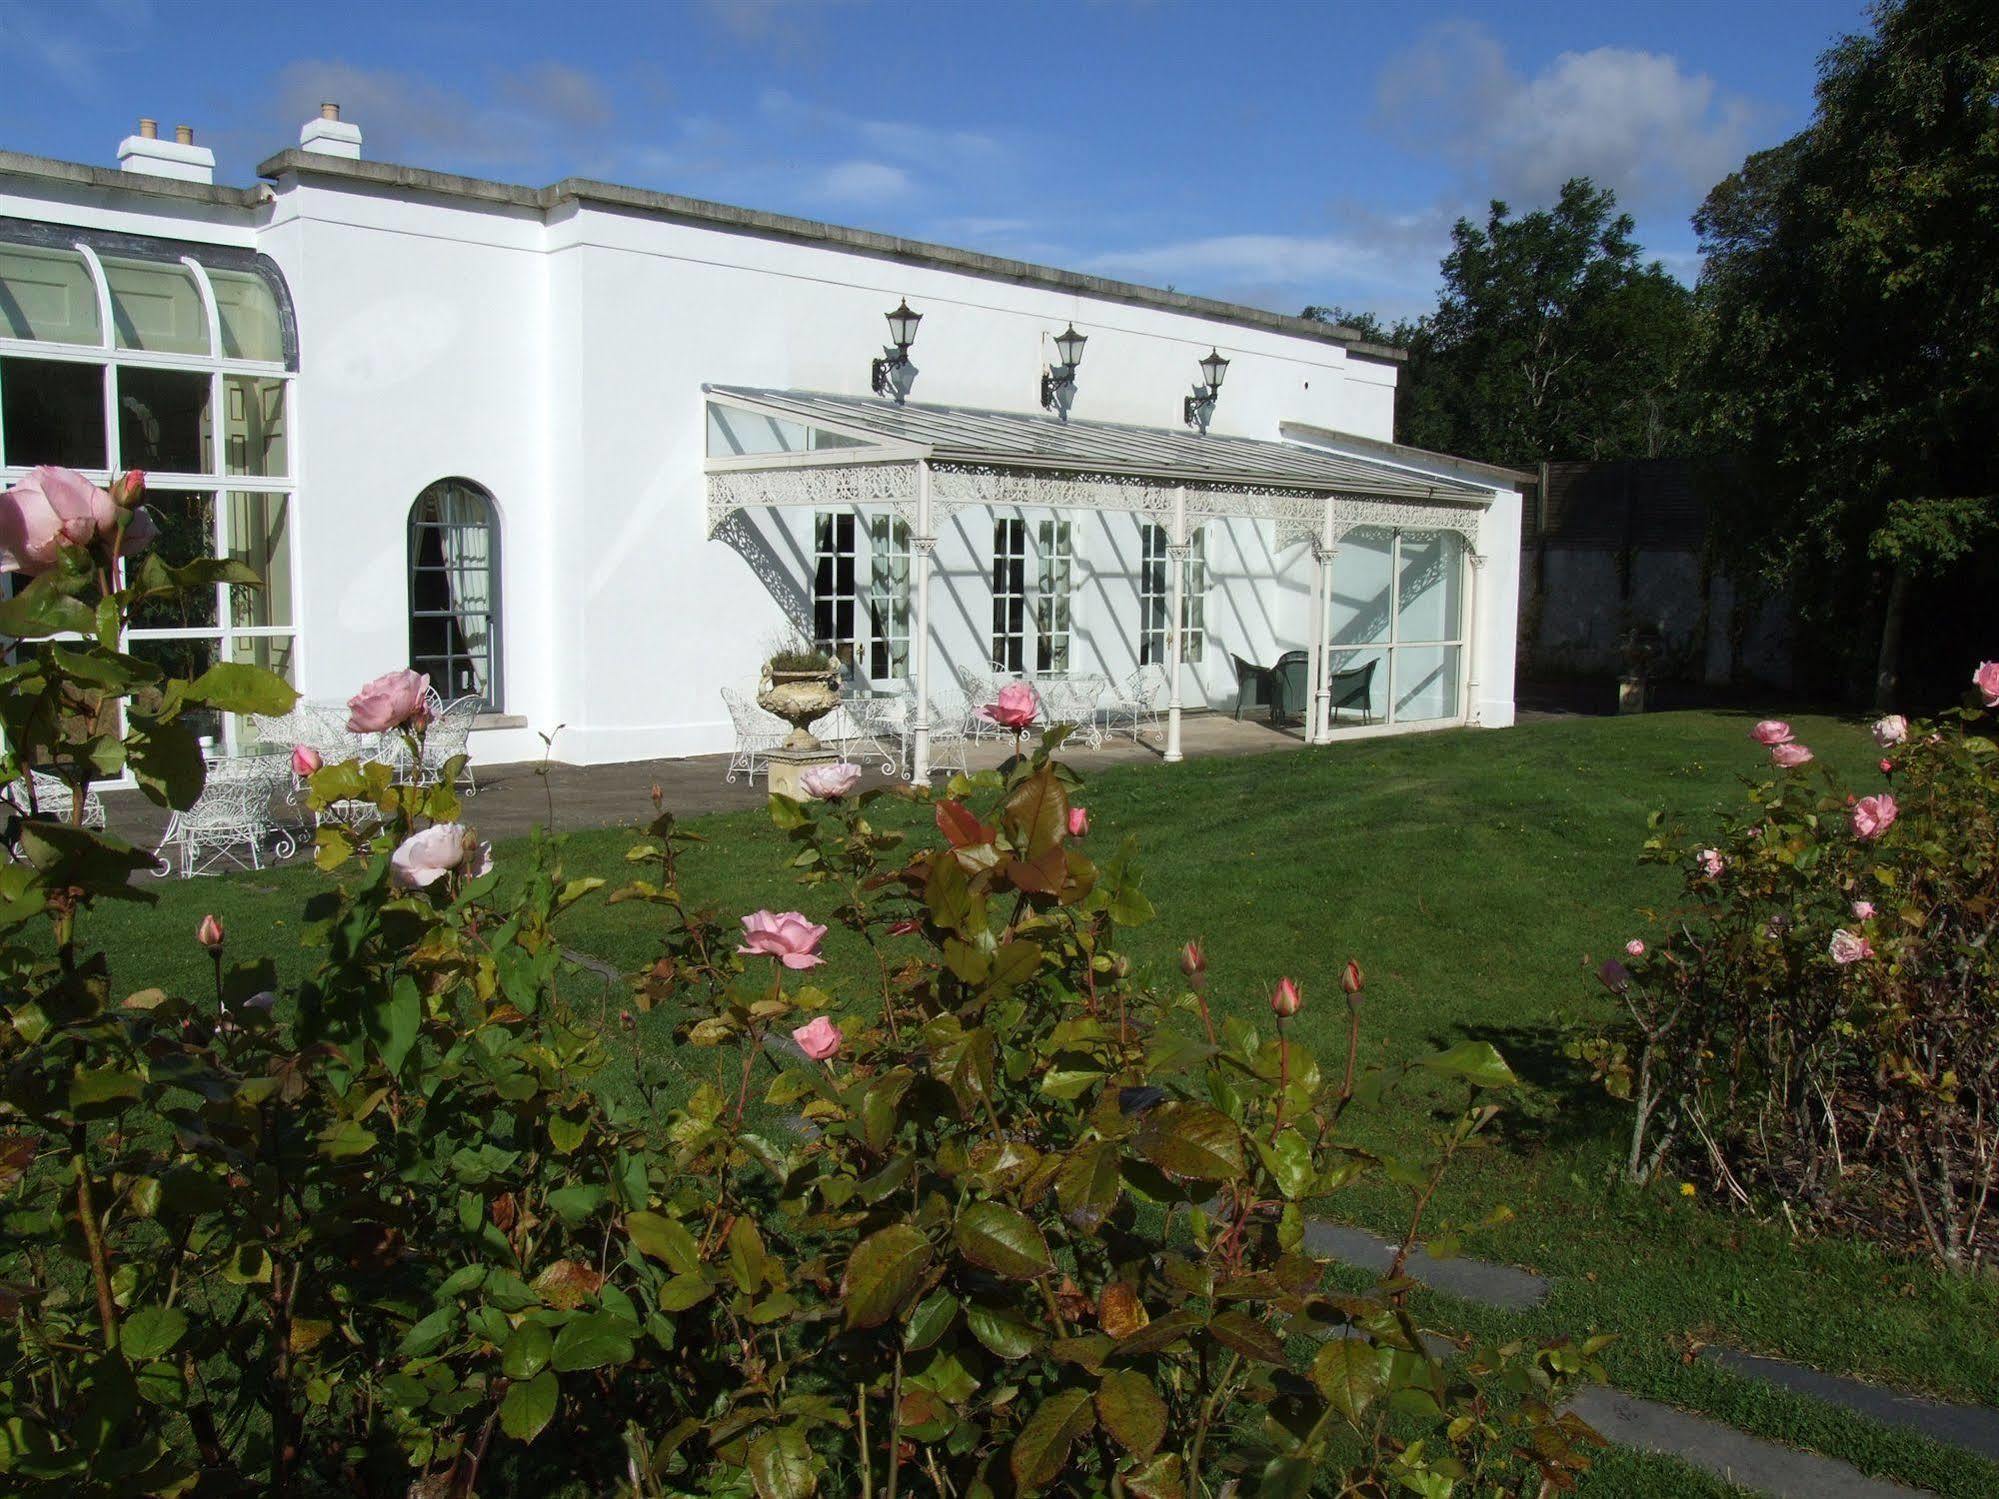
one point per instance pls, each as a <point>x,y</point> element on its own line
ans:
<point>799,697</point>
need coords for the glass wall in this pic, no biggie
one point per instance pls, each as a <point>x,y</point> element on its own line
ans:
<point>120,358</point>
<point>1397,626</point>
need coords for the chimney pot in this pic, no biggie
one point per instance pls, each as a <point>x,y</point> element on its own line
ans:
<point>179,158</point>
<point>183,135</point>
<point>329,135</point>
<point>149,130</point>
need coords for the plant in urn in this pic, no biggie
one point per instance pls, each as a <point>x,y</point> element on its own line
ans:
<point>800,685</point>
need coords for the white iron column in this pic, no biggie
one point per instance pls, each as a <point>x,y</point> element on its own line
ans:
<point>1177,551</point>
<point>921,545</point>
<point>1319,694</point>
<point>1472,590</point>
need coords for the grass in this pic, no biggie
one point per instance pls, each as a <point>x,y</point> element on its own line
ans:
<point>1474,876</point>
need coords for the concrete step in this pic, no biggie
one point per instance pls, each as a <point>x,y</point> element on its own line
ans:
<point>1973,1427</point>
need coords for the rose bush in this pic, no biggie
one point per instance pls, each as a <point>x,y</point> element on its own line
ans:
<point>1814,1026</point>
<point>438,1221</point>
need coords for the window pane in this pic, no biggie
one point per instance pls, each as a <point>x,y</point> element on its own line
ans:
<point>187,531</point>
<point>54,412</point>
<point>155,307</point>
<point>48,294</point>
<point>260,536</point>
<point>1357,685</point>
<point>249,316</point>
<point>1429,585</point>
<point>181,660</point>
<point>1426,682</point>
<point>1361,587</point>
<point>254,426</point>
<point>163,421</point>
<point>735,434</point>
<point>273,653</point>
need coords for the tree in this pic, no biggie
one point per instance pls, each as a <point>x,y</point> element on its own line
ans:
<point>1551,340</point>
<point>1366,324</point>
<point>1847,335</point>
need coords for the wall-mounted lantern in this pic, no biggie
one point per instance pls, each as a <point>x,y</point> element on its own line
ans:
<point>893,374</point>
<point>1058,384</point>
<point>1200,407</point>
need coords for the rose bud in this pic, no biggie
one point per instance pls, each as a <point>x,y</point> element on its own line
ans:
<point>1079,821</point>
<point>1352,979</point>
<point>1193,962</point>
<point>305,760</point>
<point>209,933</point>
<point>1287,1001</point>
<point>127,488</point>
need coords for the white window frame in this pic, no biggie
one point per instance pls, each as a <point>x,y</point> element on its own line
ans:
<point>1391,649</point>
<point>1155,593</point>
<point>1054,593</point>
<point>888,607</point>
<point>1008,651</point>
<point>217,481</point>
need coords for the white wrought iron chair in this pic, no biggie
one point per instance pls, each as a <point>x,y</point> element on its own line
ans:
<point>230,821</point>
<point>54,799</point>
<point>1137,699</point>
<point>950,732</point>
<point>1076,698</point>
<point>981,689</point>
<point>449,731</point>
<point>758,732</point>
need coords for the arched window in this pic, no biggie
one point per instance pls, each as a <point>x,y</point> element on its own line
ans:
<point>454,551</point>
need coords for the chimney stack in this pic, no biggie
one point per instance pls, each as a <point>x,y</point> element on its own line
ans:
<point>329,135</point>
<point>180,158</point>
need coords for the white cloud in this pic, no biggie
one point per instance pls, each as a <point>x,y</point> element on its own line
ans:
<point>1633,121</point>
<point>860,183</point>
<point>558,92</point>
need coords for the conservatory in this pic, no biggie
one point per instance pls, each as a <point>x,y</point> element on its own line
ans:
<point>1387,558</point>
<point>121,352</point>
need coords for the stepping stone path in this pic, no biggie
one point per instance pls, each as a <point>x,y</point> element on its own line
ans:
<point>1652,1426</point>
<point>1734,1456</point>
<point>1488,1284</point>
<point>1973,1427</point>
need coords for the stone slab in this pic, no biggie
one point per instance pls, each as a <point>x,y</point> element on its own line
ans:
<point>1504,1286</point>
<point>1973,1427</point>
<point>1764,1467</point>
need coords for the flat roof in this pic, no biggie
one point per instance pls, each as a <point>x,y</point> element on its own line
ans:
<point>812,231</point>
<point>969,435</point>
<point>1405,453</point>
<point>695,211</point>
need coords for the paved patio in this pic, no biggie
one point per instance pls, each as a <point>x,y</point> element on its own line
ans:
<point>513,798</point>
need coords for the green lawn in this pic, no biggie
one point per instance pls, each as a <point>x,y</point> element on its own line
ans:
<point>1476,876</point>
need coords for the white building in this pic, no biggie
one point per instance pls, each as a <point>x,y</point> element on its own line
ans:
<point>590,450</point>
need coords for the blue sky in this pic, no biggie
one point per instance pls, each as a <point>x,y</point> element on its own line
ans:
<point>1277,152</point>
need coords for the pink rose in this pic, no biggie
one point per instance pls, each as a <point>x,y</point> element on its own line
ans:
<point>1079,822</point>
<point>1887,766</point>
<point>209,932</point>
<point>1863,910</point>
<point>1635,948</point>
<point>305,760</point>
<point>50,508</point>
<point>828,783</point>
<point>784,935</point>
<point>1014,708</point>
<point>424,858</point>
<point>1790,756</point>
<point>390,701</point>
<point>1847,948</point>
<point>1891,731</point>
<point>1874,815</point>
<point>1986,680</point>
<point>818,1038</point>
<point>1771,731</point>
<point>1712,863</point>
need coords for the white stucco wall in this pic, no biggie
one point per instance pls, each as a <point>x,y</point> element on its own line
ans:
<point>556,358</point>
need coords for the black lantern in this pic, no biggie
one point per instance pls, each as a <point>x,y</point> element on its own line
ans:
<point>902,325</point>
<point>1213,370</point>
<point>893,374</point>
<point>1069,345</point>
<point>1058,381</point>
<point>1199,408</point>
